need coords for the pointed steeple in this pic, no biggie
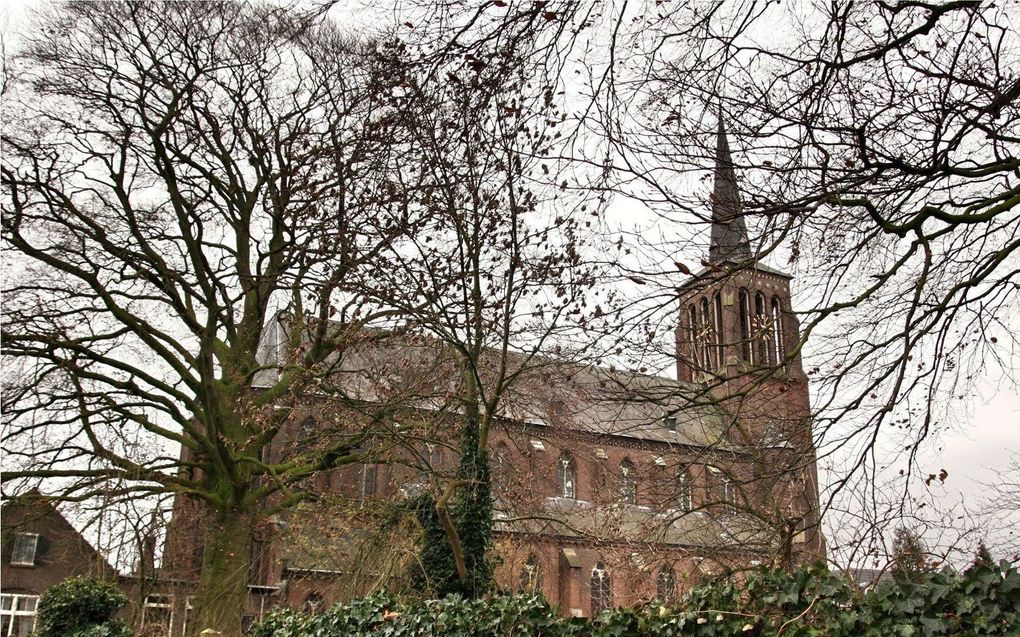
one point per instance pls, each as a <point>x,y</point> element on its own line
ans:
<point>729,232</point>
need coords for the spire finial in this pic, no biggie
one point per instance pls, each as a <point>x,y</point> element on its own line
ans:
<point>729,233</point>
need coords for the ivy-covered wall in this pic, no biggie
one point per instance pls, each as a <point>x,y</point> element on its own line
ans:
<point>981,601</point>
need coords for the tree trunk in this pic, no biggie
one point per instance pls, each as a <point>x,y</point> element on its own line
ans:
<point>473,512</point>
<point>223,584</point>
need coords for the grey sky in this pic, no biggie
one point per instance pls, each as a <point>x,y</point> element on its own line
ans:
<point>985,433</point>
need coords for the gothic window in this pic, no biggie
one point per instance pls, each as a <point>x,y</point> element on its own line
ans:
<point>729,494</point>
<point>684,493</point>
<point>435,455</point>
<point>746,350</point>
<point>722,491</point>
<point>501,458</point>
<point>368,478</point>
<point>601,591</point>
<point>717,316</point>
<point>761,330</point>
<point>665,584</point>
<point>502,469</point>
<point>189,608</point>
<point>501,455</point>
<point>707,336</point>
<point>531,575</point>
<point>307,430</point>
<point>313,603</point>
<point>695,335</point>
<point>779,338</point>
<point>565,477</point>
<point>628,482</point>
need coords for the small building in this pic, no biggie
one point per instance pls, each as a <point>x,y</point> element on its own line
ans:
<point>40,549</point>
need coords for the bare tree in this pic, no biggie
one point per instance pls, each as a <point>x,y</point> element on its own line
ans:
<point>175,178</point>
<point>1000,512</point>
<point>171,180</point>
<point>876,148</point>
<point>212,207</point>
<point>499,272</point>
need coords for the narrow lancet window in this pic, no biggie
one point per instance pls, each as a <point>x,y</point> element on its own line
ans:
<point>761,330</point>
<point>778,334</point>
<point>565,477</point>
<point>747,351</point>
<point>707,336</point>
<point>601,590</point>
<point>628,482</point>
<point>695,334</point>
<point>720,353</point>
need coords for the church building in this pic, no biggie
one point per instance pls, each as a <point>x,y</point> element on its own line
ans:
<point>611,487</point>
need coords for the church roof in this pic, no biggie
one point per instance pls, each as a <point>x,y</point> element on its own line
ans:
<point>567,517</point>
<point>419,372</point>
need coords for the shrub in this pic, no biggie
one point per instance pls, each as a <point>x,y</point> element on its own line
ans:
<point>983,601</point>
<point>81,607</point>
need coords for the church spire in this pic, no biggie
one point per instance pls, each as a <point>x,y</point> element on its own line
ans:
<point>729,233</point>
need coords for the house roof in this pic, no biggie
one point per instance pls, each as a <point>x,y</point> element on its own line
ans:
<point>35,510</point>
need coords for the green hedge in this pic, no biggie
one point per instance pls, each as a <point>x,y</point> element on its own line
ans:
<point>984,600</point>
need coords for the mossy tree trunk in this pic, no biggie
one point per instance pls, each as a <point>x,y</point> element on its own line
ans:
<point>472,512</point>
<point>223,584</point>
<point>456,540</point>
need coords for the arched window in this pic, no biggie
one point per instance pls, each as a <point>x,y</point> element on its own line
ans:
<point>368,476</point>
<point>746,351</point>
<point>565,477</point>
<point>729,491</point>
<point>601,591</point>
<point>717,316</point>
<point>502,469</point>
<point>761,330</point>
<point>501,457</point>
<point>778,335</point>
<point>313,603</point>
<point>628,482</point>
<point>434,455</point>
<point>695,335</point>
<point>307,430</point>
<point>721,489</point>
<point>665,584</point>
<point>707,336</point>
<point>531,575</point>
<point>684,492</point>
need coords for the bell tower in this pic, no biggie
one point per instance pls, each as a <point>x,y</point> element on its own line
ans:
<point>738,343</point>
<point>735,316</point>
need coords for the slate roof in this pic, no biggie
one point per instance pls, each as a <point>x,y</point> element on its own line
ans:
<point>729,232</point>
<point>422,373</point>
<point>636,524</point>
<point>602,401</point>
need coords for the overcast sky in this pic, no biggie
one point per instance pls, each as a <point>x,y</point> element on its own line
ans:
<point>985,435</point>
